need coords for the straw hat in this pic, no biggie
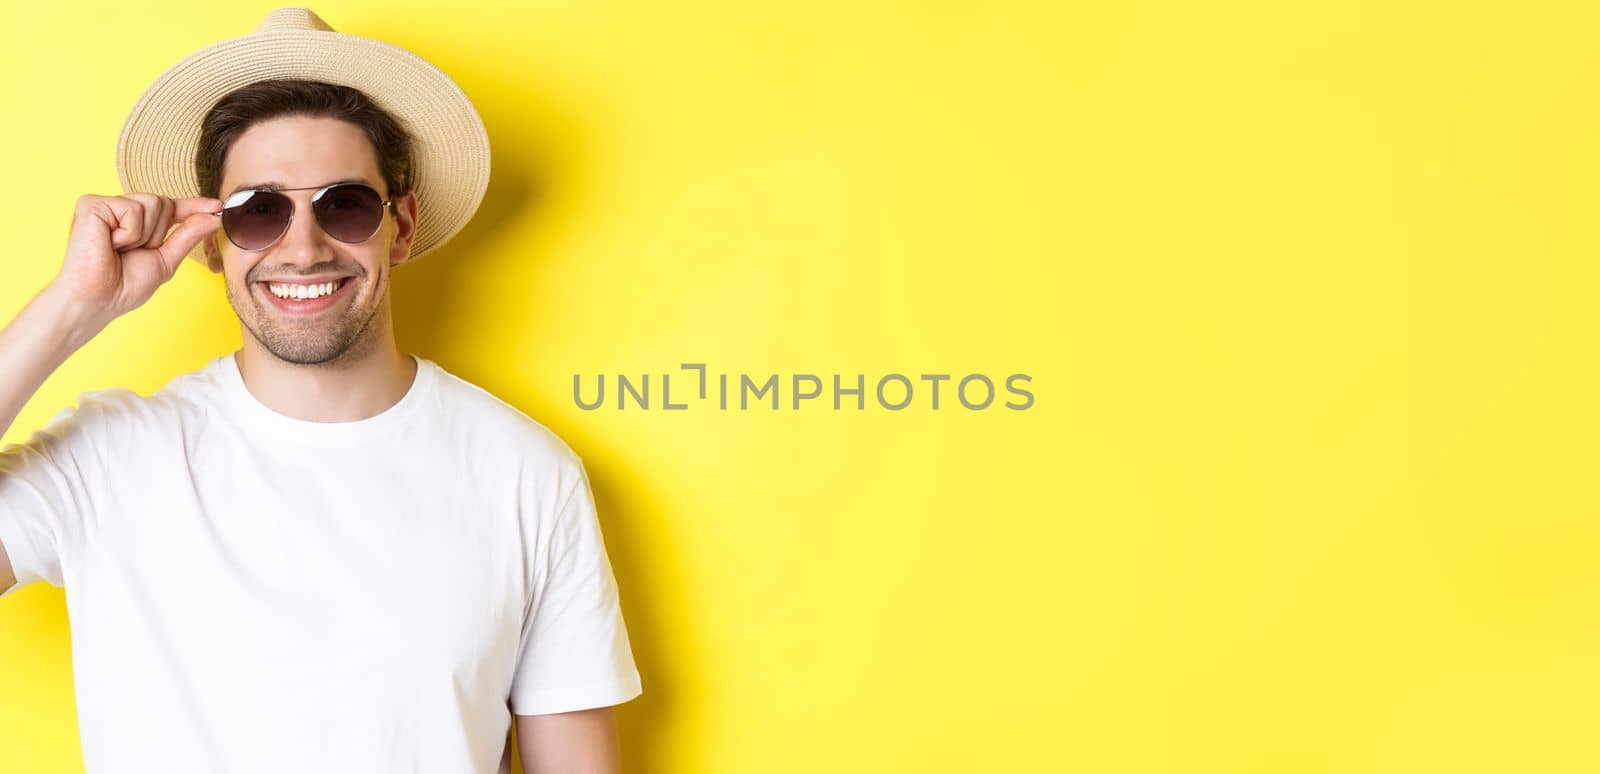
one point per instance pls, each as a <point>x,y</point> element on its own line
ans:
<point>156,151</point>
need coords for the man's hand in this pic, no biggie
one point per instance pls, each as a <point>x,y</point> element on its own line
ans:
<point>119,251</point>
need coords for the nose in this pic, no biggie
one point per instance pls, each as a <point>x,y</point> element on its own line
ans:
<point>304,242</point>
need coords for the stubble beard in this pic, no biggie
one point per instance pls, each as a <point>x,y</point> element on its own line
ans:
<point>346,334</point>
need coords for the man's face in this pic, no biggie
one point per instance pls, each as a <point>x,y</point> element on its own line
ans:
<point>297,152</point>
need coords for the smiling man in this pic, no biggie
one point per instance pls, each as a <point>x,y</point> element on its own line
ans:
<point>317,553</point>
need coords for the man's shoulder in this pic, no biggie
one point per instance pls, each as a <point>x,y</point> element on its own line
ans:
<point>113,407</point>
<point>111,418</point>
<point>118,406</point>
<point>486,421</point>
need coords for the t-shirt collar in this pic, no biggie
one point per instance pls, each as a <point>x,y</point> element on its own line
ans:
<point>262,418</point>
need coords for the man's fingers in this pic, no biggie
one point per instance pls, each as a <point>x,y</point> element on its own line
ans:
<point>140,223</point>
<point>183,239</point>
<point>195,204</point>
<point>157,221</point>
<point>127,223</point>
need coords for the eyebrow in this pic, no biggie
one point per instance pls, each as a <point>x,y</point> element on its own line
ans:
<point>274,185</point>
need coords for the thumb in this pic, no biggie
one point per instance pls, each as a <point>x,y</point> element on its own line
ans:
<point>183,239</point>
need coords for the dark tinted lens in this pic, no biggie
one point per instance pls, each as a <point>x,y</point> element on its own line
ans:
<point>349,213</point>
<point>258,221</point>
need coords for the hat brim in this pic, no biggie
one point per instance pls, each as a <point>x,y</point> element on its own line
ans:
<point>156,150</point>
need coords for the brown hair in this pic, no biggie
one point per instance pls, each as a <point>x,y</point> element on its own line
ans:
<point>259,101</point>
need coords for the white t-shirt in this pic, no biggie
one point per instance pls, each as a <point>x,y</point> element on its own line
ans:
<point>249,592</point>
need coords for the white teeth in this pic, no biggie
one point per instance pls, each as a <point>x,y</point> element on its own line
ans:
<point>285,290</point>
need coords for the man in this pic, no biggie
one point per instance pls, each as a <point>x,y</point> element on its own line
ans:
<point>317,553</point>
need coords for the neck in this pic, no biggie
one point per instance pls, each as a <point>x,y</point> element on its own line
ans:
<point>347,389</point>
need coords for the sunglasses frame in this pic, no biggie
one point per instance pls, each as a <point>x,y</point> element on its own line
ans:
<point>294,207</point>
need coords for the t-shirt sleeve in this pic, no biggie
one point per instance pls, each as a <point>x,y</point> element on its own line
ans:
<point>45,495</point>
<point>575,652</point>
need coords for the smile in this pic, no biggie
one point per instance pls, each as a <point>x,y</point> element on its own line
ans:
<point>293,298</point>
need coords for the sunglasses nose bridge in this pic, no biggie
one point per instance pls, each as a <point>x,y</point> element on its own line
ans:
<point>304,236</point>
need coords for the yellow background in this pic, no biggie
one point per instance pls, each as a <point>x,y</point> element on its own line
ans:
<point>1305,293</point>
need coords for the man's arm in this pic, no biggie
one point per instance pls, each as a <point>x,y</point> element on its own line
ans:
<point>581,742</point>
<point>45,333</point>
<point>119,250</point>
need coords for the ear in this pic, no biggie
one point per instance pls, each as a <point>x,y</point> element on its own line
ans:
<point>208,254</point>
<point>405,221</point>
<point>205,254</point>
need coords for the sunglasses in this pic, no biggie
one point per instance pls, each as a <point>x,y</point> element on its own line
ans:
<point>349,212</point>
